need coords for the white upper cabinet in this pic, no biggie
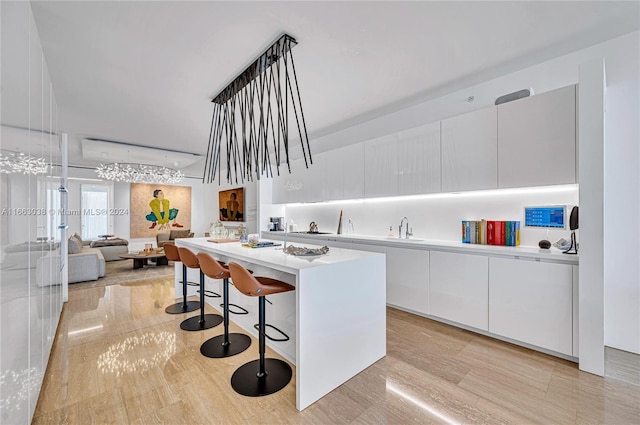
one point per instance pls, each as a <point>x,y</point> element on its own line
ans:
<point>307,179</point>
<point>353,169</point>
<point>315,180</point>
<point>381,166</point>
<point>537,140</point>
<point>345,172</point>
<point>278,194</point>
<point>470,151</point>
<point>523,143</point>
<point>419,160</point>
<point>303,184</point>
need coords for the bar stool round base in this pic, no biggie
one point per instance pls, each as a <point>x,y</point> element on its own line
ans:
<point>178,308</point>
<point>246,382</point>
<point>194,324</point>
<point>214,349</point>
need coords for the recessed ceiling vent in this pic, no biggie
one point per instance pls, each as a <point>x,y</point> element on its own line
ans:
<point>514,96</point>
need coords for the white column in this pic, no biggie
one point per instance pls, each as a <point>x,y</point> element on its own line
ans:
<point>591,93</point>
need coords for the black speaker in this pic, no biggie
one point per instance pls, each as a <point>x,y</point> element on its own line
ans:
<point>514,96</point>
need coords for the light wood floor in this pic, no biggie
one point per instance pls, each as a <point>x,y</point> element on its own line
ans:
<point>118,358</point>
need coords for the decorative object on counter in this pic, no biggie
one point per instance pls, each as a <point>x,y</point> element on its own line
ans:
<point>544,244</point>
<point>573,226</point>
<point>21,163</point>
<point>217,230</point>
<point>489,232</point>
<point>242,231</point>
<point>264,244</point>
<point>313,227</point>
<point>258,104</point>
<point>339,232</point>
<point>350,227</point>
<point>302,251</point>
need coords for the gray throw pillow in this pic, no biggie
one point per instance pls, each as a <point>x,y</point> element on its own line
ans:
<point>74,245</point>
<point>79,238</point>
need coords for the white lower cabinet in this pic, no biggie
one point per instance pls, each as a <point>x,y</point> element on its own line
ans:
<point>407,276</point>
<point>576,317</point>
<point>531,301</point>
<point>458,288</point>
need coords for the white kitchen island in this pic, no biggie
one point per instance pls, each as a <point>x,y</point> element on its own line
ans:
<point>335,319</point>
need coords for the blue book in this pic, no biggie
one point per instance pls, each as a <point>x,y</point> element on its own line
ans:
<point>468,233</point>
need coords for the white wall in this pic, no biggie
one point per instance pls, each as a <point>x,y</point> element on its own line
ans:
<point>622,198</point>
<point>622,162</point>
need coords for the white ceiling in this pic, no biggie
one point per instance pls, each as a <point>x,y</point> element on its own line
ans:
<point>144,72</point>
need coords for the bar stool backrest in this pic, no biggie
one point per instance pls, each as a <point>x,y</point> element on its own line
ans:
<point>188,258</point>
<point>211,267</point>
<point>244,281</point>
<point>171,252</point>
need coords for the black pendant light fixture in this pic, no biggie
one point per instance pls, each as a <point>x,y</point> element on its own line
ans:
<point>252,116</point>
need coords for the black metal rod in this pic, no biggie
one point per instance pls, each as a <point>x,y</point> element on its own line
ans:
<point>184,287</point>
<point>209,147</point>
<point>261,339</point>
<point>201,321</point>
<point>225,298</point>
<point>295,112</point>
<point>304,125</point>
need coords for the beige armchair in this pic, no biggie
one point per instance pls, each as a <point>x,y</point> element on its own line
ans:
<point>162,238</point>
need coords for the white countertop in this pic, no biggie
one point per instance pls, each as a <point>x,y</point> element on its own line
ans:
<point>552,255</point>
<point>273,257</point>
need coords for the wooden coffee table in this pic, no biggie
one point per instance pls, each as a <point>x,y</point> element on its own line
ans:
<point>140,260</point>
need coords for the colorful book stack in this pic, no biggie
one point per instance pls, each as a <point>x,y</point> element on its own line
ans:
<point>489,232</point>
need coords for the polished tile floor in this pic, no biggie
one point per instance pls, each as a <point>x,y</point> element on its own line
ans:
<point>118,358</point>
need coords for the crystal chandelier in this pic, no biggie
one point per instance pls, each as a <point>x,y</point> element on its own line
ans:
<point>139,173</point>
<point>19,162</point>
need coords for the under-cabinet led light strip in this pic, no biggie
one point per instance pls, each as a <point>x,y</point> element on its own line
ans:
<point>470,194</point>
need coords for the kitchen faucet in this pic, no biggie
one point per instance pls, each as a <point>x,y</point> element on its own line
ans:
<point>407,233</point>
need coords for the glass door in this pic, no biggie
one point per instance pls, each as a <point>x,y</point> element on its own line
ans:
<point>94,204</point>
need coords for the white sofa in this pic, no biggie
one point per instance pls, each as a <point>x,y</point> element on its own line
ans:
<point>112,253</point>
<point>111,248</point>
<point>86,265</point>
